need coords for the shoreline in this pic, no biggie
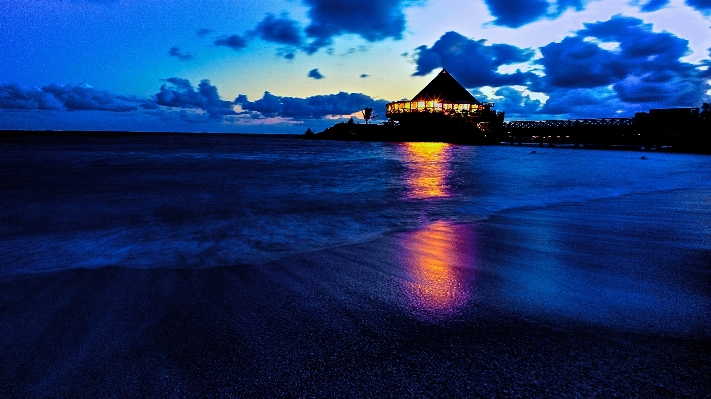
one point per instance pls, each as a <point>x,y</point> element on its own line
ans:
<point>180,343</point>
<point>25,135</point>
<point>385,317</point>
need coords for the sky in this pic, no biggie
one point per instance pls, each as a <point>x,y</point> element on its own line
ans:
<point>283,66</point>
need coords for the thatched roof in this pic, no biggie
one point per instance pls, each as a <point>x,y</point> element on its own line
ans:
<point>445,88</point>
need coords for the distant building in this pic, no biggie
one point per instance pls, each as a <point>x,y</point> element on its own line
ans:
<point>445,101</point>
<point>444,111</point>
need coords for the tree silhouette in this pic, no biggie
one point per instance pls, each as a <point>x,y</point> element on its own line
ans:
<point>367,114</point>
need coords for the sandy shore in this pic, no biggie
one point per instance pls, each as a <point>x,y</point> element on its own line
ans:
<point>606,299</point>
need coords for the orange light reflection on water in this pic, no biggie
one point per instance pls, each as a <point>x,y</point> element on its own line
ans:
<point>428,169</point>
<point>439,261</point>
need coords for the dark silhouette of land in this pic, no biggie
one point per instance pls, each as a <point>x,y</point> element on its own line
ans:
<point>674,129</point>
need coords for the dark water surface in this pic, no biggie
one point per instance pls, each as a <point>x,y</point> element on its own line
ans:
<point>197,201</point>
<point>262,266</point>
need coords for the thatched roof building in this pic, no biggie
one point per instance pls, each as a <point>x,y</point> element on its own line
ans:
<point>443,96</point>
<point>446,89</point>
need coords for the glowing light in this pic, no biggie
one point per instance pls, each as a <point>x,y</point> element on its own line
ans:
<point>428,169</point>
<point>440,263</point>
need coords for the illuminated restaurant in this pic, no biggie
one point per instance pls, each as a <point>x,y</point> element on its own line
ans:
<point>443,96</point>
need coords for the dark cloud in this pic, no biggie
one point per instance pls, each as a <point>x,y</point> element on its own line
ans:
<point>637,39</point>
<point>203,32</point>
<point>314,73</point>
<point>649,5</point>
<point>85,98</point>
<point>179,93</point>
<point>281,30</point>
<point>364,75</point>
<point>577,5</point>
<point>175,52</point>
<point>91,1</point>
<point>575,63</point>
<point>65,97</point>
<point>235,42</point>
<point>601,102</point>
<point>645,67</point>
<point>514,102</point>
<point>373,20</point>
<point>582,75</point>
<point>472,62</point>
<point>15,96</point>
<point>707,64</point>
<point>704,6</point>
<point>516,13</point>
<point>644,71</point>
<point>315,107</point>
<point>672,91</point>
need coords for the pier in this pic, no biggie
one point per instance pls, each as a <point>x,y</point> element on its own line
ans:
<point>600,132</point>
<point>680,129</point>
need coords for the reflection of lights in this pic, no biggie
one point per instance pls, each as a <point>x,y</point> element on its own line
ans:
<point>428,169</point>
<point>439,261</point>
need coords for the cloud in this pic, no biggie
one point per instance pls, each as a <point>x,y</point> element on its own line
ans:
<point>315,107</point>
<point>609,67</point>
<point>473,63</point>
<point>650,5</point>
<point>235,42</point>
<point>179,93</point>
<point>203,32</point>
<point>65,98</point>
<point>512,101</point>
<point>707,64</point>
<point>86,98</point>
<point>516,13</point>
<point>314,73</point>
<point>374,20</point>
<point>643,71</point>
<point>364,75</point>
<point>703,6</point>
<point>576,63</point>
<point>281,30</point>
<point>82,97</point>
<point>672,91</point>
<point>90,1</point>
<point>646,66</point>
<point>175,52</point>
<point>601,102</point>
<point>16,96</point>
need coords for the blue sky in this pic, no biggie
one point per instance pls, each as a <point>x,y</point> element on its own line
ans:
<point>282,66</point>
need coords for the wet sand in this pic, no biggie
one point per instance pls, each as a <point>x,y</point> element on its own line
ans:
<point>610,298</point>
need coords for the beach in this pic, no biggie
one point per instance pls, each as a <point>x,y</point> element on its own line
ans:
<point>585,293</point>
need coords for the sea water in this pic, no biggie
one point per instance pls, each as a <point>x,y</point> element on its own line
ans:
<point>201,201</point>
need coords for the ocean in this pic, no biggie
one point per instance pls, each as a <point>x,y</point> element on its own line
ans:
<point>231,266</point>
<point>205,200</point>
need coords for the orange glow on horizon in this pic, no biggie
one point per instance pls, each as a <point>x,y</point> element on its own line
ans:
<point>428,169</point>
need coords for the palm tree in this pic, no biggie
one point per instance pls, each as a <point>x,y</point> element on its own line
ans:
<point>367,114</point>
